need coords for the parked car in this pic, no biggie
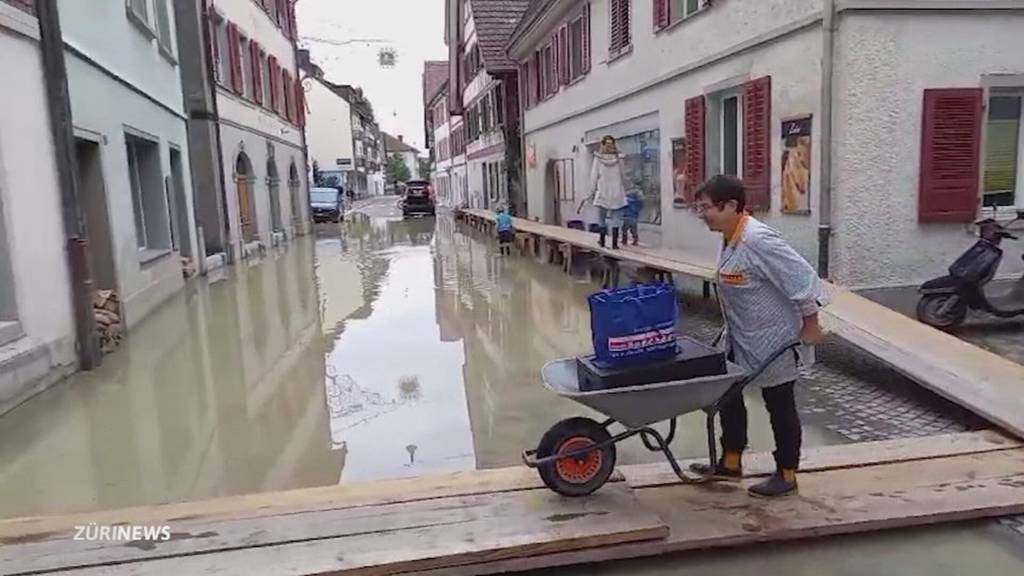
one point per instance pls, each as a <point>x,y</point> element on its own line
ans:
<point>418,198</point>
<point>328,204</point>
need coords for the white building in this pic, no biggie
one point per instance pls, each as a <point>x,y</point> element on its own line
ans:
<point>132,147</point>
<point>37,332</point>
<point>247,111</point>
<point>409,154</point>
<point>329,133</point>
<point>922,100</point>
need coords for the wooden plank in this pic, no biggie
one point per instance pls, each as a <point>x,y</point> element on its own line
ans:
<point>374,540</point>
<point>464,483</point>
<point>834,502</point>
<point>843,456</point>
<point>982,382</point>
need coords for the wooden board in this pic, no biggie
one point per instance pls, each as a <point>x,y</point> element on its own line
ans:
<point>833,502</point>
<point>475,482</point>
<point>826,458</point>
<point>976,379</point>
<point>385,539</point>
<point>465,483</point>
<point>980,381</point>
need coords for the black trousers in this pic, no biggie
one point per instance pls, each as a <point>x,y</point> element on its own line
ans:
<point>781,404</point>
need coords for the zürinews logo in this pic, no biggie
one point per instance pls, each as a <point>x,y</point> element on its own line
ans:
<point>641,340</point>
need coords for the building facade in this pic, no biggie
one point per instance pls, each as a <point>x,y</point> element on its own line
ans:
<point>870,134</point>
<point>485,82</point>
<point>397,147</point>
<point>37,332</point>
<point>246,109</point>
<point>132,147</point>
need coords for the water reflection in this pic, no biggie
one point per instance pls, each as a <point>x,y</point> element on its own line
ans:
<point>219,392</point>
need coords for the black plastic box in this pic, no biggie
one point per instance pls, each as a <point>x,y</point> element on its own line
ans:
<point>692,360</point>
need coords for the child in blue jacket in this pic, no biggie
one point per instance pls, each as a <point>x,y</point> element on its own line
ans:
<point>631,216</point>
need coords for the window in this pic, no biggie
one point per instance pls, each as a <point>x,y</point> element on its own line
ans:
<point>286,87</point>
<point>163,27</point>
<point>576,48</point>
<point>730,136</point>
<point>266,84</point>
<point>140,10</point>
<point>485,114</point>
<point>724,137</point>
<point>222,62</point>
<point>499,104</point>
<point>248,68</point>
<point>620,28</point>
<point>679,9</point>
<point>149,203</point>
<point>549,82</point>
<point>1003,180</point>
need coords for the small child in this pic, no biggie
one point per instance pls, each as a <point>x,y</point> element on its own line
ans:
<point>631,216</point>
<point>505,232</point>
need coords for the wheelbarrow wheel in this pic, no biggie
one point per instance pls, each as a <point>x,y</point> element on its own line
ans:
<point>577,475</point>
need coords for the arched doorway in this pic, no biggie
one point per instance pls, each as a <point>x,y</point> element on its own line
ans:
<point>294,189</point>
<point>273,186</point>
<point>244,178</point>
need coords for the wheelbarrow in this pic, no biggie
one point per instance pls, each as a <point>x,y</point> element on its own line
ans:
<point>576,456</point>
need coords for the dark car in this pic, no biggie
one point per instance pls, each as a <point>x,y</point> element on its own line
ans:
<point>418,198</point>
<point>328,204</point>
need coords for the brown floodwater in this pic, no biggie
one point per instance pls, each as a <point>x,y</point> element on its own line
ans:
<point>379,348</point>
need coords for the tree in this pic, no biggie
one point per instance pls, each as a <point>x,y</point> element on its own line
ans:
<point>424,168</point>
<point>397,171</point>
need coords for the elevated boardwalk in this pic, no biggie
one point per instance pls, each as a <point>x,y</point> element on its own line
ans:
<point>980,381</point>
<point>498,521</point>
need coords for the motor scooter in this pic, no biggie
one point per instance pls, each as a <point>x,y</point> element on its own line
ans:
<point>945,301</point>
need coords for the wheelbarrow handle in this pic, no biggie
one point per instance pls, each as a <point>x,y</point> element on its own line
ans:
<point>738,387</point>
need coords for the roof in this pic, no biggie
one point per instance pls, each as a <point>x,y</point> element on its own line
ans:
<point>392,144</point>
<point>532,14</point>
<point>495,20</point>
<point>435,73</point>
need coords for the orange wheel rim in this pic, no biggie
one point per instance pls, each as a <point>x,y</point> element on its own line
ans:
<point>582,468</point>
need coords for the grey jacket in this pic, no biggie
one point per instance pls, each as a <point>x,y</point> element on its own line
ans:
<point>765,289</point>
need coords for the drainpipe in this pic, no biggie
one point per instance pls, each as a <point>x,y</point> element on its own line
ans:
<point>825,178</point>
<point>77,243</point>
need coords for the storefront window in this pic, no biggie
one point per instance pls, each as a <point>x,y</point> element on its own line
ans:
<point>643,170</point>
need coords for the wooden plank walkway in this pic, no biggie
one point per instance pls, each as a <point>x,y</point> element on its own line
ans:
<point>502,520</point>
<point>980,381</point>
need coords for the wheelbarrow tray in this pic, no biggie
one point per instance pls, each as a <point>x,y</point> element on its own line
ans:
<point>637,406</point>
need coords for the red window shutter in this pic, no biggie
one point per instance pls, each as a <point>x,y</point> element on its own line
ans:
<point>757,145</point>
<point>235,58</point>
<point>950,155</point>
<point>661,16</point>
<point>695,128</point>
<point>300,104</point>
<point>586,37</point>
<point>257,73</point>
<point>272,69</point>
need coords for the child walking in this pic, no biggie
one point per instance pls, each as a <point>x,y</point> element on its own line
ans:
<point>631,216</point>
<point>505,232</point>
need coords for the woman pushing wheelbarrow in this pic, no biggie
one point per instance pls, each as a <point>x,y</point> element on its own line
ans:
<point>770,298</point>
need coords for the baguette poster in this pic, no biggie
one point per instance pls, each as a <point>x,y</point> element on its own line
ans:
<point>796,165</point>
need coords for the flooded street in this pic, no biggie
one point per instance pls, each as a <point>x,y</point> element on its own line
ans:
<point>384,348</point>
